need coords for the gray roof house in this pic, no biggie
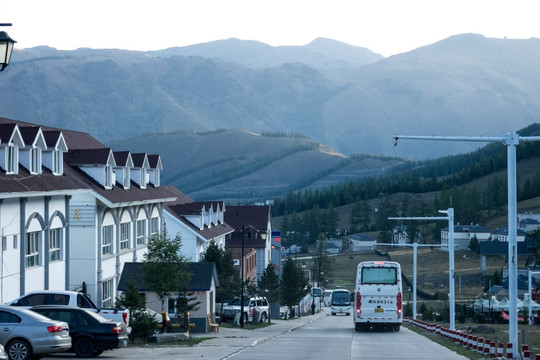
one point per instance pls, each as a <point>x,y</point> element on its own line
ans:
<point>203,282</point>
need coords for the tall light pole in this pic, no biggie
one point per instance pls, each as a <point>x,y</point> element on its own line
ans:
<point>511,140</point>
<point>451,277</point>
<point>6,47</point>
<point>242,282</point>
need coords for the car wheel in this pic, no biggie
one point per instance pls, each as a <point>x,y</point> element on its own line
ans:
<point>264,317</point>
<point>84,348</point>
<point>19,350</point>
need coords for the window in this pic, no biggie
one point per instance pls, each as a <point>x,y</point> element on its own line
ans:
<point>11,160</point>
<point>108,296</point>
<point>35,160</point>
<point>124,236</point>
<point>154,226</point>
<point>141,230</point>
<point>57,162</point>
<point>106,240</point>
<point>32,249</point>
<point>55,241</point>
<point>108,177</point>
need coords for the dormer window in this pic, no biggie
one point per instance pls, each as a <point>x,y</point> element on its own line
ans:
<point>57,161</point>
<point>35,160</point>
<point>12,161</point>
<point>109,178</point>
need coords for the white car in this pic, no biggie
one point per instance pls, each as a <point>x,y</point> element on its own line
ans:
<point>234,306</point>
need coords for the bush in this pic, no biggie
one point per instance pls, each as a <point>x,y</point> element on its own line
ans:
<point>142,326</point>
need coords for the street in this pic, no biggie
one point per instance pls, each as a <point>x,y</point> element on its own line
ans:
<point>319,337</point>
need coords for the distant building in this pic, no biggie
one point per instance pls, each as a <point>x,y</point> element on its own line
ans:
<point>400,235</point>
<point>463,235</point>
<point>528,222</point>
<point>501,234</point>
<point>359,242</point>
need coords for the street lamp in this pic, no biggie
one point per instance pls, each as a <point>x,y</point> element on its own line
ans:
<point>6,48</point>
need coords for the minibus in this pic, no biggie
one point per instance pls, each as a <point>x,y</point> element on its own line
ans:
<point>340,302</point>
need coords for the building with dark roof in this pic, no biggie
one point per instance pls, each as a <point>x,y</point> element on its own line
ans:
<point>197,223</point>
<point>253,223</point>
<point>203,282</point>
<point>72,212</point>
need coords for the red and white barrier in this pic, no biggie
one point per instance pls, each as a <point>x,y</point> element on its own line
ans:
<point>492,350</point>
<point>480,345</point>
<point>509,351</point>
<point>487,346</point>
<point>500,350</point>
<point>526,355</point>
<point>524,347</point>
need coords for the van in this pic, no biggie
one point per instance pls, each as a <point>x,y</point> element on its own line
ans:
<point>340,302</point>
<point>326,297</point>
<point>377,296</point>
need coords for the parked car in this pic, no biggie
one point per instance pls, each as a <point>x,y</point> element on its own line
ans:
<point>69,298</point>
<point>234,306</point>
<point>91,333</point>
<point>157,316</point>
<point>26,334</point>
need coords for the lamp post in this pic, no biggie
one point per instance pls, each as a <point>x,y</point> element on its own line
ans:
<point>6,48</point>
<point>242,280</point>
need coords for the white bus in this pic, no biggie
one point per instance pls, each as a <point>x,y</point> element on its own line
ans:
<point>340,302</point>
<point>378,296</point>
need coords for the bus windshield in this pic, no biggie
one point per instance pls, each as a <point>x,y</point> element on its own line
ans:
<point>379,275</point>
<point>340,298</point>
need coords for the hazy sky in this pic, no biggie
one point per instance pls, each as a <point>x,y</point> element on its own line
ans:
<point>386,27</point>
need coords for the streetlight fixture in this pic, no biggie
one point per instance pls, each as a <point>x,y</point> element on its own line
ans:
<point>6,48</point>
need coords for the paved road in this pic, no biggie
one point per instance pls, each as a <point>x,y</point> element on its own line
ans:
<point>315,337</point>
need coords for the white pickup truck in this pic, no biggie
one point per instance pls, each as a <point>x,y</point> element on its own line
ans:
<point>69,298</point>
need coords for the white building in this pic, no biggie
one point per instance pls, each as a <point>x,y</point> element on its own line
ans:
<point>197,224</point>
<point>463,235</point>
<point>72,212</point>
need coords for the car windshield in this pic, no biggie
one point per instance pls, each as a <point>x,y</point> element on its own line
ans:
<point>236,301</point>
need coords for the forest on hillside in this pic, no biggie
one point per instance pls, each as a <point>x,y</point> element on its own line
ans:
<point>449,182</point>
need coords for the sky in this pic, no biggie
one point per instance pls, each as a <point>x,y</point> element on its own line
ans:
<point>386,27</point>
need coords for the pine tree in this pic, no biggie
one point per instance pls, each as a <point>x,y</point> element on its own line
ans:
<point>269,285</point>
<point>294,283</point>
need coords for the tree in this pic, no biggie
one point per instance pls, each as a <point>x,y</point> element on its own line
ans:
<point>165,269</point>
<point>229,277</point>
<point>322,263</point>
<point>269,285</point>
<point>294,283</point>
<point>131,300</point>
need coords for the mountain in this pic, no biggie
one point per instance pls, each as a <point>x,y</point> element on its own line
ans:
<point>320,53</point>
<point>341,97</point>
<point>238,166</point>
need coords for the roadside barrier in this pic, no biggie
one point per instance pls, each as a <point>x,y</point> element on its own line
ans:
<point>524,347</point>
<point>486,347</point>
<point>509,351</point>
